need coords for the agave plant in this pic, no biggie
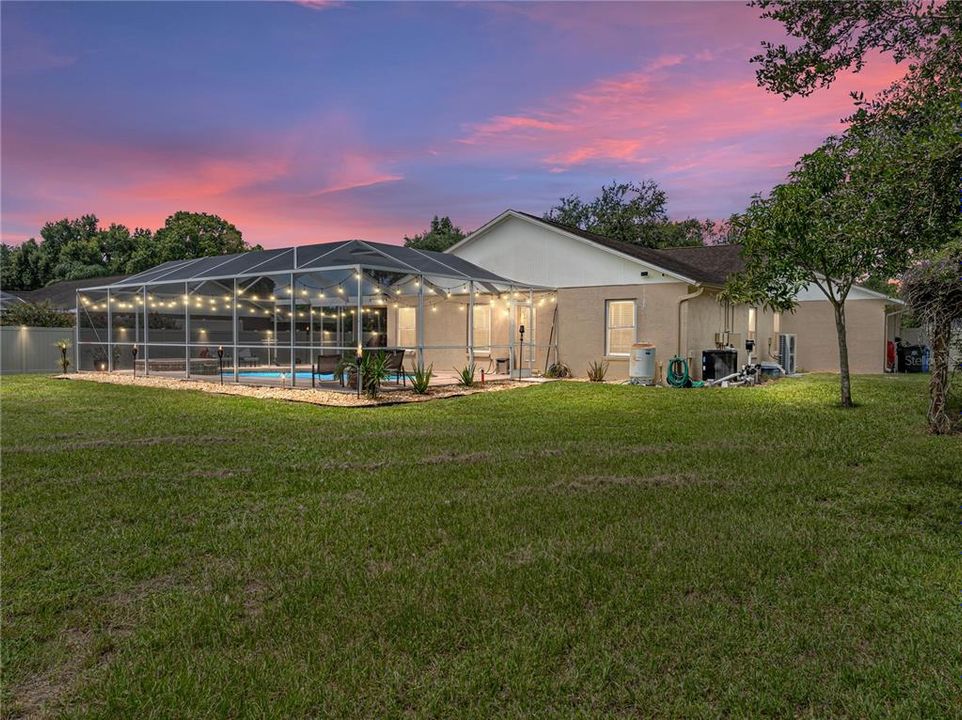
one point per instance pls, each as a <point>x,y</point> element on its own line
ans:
<point>597,370</point>
<point>421,379</point>
<point>466,375</point>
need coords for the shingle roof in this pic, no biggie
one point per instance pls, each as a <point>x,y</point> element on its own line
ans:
<point>309,257</point>
<point>714,262</point>
<point>63,295</point>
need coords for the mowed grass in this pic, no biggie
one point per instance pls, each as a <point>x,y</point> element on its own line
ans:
<point>567,550</point>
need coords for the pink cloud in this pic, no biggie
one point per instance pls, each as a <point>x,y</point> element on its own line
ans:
<point>674,119</point>
<point>305,184</point>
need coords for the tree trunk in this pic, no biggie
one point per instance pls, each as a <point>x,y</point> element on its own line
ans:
<point>939,334</point>
<point>844,376</point>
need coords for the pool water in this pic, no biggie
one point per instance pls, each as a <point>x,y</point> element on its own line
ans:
<point>273,375</point>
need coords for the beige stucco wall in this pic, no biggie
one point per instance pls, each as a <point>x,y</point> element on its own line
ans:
<point>582,328</point>
<point>814,323</point>
<point>581,323</point>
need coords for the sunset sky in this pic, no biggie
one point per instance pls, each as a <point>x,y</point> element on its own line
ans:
<point>309,122</point>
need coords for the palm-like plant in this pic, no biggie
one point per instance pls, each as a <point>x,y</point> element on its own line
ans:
<point>372,370</point>
<point>63,345</point>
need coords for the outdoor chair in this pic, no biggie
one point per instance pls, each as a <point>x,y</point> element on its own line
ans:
<point>395,364</point>
<point>329,364</point>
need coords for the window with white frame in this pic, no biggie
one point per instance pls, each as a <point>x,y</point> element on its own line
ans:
<point>407,327</point>
<point>776,323</point>
<point>620,326</point>
<point>752,322</point>
<point>482,328</point>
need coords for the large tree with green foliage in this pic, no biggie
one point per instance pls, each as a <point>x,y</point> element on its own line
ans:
<point>831,36</point>
<point>187,235</point>
<point>915,119</point>
<point>79,248</point>
<point>631,212</point>
<point>861,207</point>
<point>830,226</point>
<point>439,237</point>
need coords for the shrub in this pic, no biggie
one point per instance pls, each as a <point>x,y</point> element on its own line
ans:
<point>597,370</point>
<point>558,370</point>
<point>466,375</point>
<point>421,379</point>
<point>35,315</point>
<point>372,368</point>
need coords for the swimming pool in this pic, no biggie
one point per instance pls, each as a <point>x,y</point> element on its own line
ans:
<point>275,375</point>
<point>286,376</point>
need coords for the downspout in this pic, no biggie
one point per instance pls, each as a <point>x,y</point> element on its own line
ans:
<point>681,303</point>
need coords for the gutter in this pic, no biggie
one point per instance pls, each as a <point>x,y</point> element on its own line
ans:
<point>681,303</point>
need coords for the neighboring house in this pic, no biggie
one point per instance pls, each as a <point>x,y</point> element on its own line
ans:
<point>612,294</point>
<point>63,295</point>
<point>8,299</point>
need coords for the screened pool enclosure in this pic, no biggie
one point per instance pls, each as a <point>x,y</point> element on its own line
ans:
<point>291,316</point>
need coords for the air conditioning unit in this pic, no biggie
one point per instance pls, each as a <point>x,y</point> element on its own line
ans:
<point>787,352</point>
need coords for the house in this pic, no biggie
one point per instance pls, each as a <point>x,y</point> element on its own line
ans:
<point>611,294</point>
<point>62,295</point>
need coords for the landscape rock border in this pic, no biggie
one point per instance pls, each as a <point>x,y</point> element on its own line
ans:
<point>305,395</point>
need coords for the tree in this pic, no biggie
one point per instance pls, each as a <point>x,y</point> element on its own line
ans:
<point>903,147</point>
<point>933,289</point>
<point>835,36</point>
<point>187,235</point>
<point>630,212</point>
<point>79,248</point>
<point>829,226</point>
<point>439,237</point>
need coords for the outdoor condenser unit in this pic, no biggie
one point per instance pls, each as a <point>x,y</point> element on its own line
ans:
<point>787,351</point>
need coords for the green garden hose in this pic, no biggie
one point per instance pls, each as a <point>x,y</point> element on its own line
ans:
<point>678,376</point>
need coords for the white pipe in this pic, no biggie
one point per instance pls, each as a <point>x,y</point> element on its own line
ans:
<point>681,301</point>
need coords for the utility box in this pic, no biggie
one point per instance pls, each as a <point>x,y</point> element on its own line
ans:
<point>641,364</point>
<point>716,364</point>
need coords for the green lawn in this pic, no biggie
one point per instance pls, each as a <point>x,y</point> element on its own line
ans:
<point>566,550</point>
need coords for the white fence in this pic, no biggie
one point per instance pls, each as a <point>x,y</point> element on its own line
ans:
<point>31,349</point>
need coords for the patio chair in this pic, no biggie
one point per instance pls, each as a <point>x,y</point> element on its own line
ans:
<point>395,364</point>
<point>328,364</point>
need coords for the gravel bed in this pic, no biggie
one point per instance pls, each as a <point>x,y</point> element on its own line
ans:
<point>305,395</point>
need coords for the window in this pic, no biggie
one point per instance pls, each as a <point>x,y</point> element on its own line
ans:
<point>752,322</point>
<point>407,327</point>
<point>621,327</point>
<point>776,323</point>
<point>482,328</point>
